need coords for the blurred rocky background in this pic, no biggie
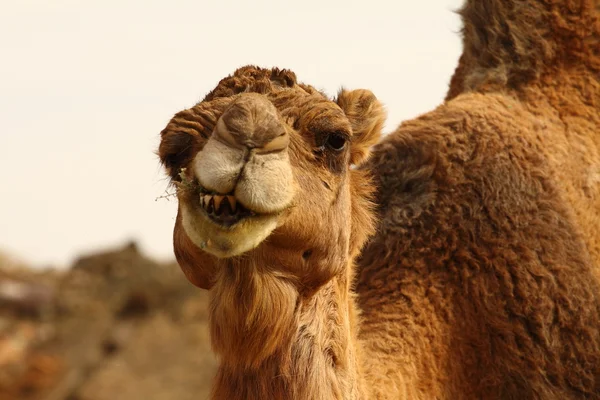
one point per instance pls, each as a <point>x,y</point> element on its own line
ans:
<point>116,325</point>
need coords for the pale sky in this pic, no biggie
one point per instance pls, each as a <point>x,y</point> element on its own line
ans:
<point>86,87</point>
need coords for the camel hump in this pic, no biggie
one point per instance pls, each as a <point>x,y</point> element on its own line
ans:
<point>511,42</point>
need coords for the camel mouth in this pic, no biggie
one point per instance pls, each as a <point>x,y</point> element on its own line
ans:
<point>218,224</point>
<point>230,204</point>
<point>224,210</point>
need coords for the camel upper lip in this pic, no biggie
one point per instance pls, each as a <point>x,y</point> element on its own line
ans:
<point>222,209</point>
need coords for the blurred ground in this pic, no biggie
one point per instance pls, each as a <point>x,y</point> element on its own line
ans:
<point>114,326</point>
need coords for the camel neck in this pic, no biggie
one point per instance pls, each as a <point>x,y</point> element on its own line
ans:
<point>275,343</point>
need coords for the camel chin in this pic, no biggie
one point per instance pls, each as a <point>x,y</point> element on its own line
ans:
<point>222,240</point>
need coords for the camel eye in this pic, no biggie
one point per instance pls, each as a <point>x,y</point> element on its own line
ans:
<point>336,141</point>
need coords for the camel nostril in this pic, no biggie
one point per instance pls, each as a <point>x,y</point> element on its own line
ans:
<point>223,134</point>
<point>280,143</point>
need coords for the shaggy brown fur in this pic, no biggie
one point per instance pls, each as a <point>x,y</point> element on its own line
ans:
<point>482,281</point>
<point>282,314</point>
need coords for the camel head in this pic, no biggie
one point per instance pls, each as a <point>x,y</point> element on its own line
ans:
<point>264,170</point>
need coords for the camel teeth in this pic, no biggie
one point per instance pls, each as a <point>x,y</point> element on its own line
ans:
<point>212,203</point>
<point>232,203</point>
<point>207,198</point>
<point>217,200</point>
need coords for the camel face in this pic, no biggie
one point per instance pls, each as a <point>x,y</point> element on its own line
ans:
<point>265,157</point>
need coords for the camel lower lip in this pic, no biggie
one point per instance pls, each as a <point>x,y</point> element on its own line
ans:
<point>224,237</point>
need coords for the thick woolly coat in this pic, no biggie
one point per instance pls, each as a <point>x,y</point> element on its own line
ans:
<point>482,281</point>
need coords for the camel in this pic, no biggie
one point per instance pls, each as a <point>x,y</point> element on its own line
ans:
<point>273,210</point>
<point>480,279</point>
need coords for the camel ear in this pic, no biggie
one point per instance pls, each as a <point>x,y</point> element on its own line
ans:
<point>366,115</point>
<point>196,265</point>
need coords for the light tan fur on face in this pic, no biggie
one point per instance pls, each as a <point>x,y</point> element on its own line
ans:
<point>217,166</point>
<point>261,182</point>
